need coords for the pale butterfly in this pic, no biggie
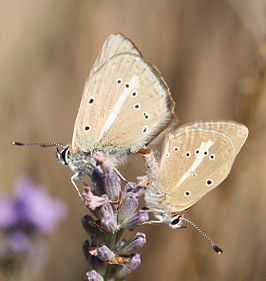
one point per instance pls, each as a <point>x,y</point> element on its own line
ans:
<point>125,105</point>
<point>195,159</point>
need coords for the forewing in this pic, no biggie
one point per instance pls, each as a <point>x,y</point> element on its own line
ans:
<point>124,105</point>
<point>194,162</point>
<point>237,132</point>
<point>115,44</point>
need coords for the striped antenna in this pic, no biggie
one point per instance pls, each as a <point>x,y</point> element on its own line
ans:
<point>41,144</point>
<point>216,248</point>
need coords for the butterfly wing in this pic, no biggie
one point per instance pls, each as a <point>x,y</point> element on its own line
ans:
<point>115,44</point>
<point>125,104</point>
<point>203,159</point>
<point>237,132</point>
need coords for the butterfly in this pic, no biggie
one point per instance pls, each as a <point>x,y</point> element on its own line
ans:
<point>195,159</point>
<point>125,105</point>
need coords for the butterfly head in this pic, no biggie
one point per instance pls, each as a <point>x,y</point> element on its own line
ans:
<point>176,222</point>
<point>63,155</point>
<point>84,162</point>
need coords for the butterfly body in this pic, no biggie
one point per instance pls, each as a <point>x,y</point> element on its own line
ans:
<point>196,158</point>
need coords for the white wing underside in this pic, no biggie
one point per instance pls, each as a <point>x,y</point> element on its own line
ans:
<point>186,173</point>
<point>125,101</point>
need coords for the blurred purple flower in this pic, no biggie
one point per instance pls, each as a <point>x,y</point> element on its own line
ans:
<point>18,241</point>
<point>30,209</point>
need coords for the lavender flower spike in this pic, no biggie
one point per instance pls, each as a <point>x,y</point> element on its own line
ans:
<point>112,210</point>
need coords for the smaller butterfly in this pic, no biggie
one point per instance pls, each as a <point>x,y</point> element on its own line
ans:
<point>196,158</point>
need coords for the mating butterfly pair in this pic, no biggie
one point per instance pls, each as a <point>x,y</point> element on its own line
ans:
<point>125,105</point>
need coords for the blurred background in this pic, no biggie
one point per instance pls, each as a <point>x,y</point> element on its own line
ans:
<point>212,54</point>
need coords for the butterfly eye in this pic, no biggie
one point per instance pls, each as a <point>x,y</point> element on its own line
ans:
<point>127,85</point>
<point>167,154</point>
<point>205,152</point>
<point>187,193</point>
<point>197,151</point>
<point>147,116</point>
<point>188,154</point>
<point>209,182</point>
<point>175,222</point>
<point>62,156</point>
<point>212,156</point>
<point>134,94</point>
<point>176,148</point>
<point>87,128</point>
<point>119,81</point>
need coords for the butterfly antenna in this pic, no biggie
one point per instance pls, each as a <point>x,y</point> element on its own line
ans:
<point>41,144</point>
<point>216,248</point>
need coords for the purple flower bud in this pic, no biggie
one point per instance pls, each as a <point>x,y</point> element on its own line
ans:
<point>105,211</point>
<point>129,187</point>
<point>128,266</point>
<point>128,207</point>
<point>104,253</point>
<point>106,214</point>
<point>109,224</point>
<point>120,244</point>
<point>93,201</point>
<point>94,276</point>
<point>137,219</point>
<point>88,225</point>
<point>133,244</point>
<point>112,185</point>
<point>132,187</point>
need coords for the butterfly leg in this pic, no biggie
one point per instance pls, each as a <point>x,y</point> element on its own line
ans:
<point>73,178</point>
<point>160,217</point>
<point>153,222</point>
<point>120,175</point>
<point>158,195</point>
<point>150,210</point>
